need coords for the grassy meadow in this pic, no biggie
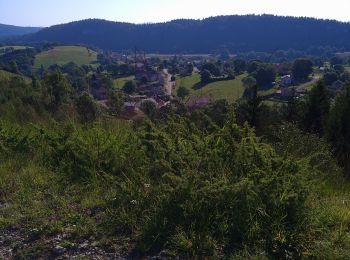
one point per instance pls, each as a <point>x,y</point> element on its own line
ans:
<point>228,89</point>
<point>64,54</point>
<point>119,83</point>
<point>16,47</point>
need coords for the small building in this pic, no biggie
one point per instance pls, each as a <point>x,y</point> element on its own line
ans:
<point>137,98</point>
<point>129,106</point>
<point>286,80</point>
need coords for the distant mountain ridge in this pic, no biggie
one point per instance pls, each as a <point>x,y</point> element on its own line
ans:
<point>266,33</point>
<point>11,30</point>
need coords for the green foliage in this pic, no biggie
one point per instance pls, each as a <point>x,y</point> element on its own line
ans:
<point>182,92</point>
<point>245,198</point>
<point>115,102</point>
<point>330,77</point>
<point>129,87</point>
<point>149,107</point>
<point>265,75</point>
<point>86,108</point>
<point>239,66</point>
<point>205,76</point>
<point>317,109</point>
<point>187,186</point>
<point>302,68</point>
<point>192,185</point>
<point>57,89</point>
<point>338,127</point>
<point>212,68</point>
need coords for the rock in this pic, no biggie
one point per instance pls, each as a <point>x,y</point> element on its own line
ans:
<point>58,250</point>
<point>84,245</point>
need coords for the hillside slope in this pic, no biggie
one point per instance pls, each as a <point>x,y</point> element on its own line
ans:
<point>61,55</point>
<point>236,33</point>
<point>10,30</point>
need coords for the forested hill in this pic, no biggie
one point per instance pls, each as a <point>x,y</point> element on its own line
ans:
<point>10,30</point>
<point>236,33</point>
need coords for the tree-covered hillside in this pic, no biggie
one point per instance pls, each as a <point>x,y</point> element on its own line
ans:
<point>10,30</point>
<point>235,33</point>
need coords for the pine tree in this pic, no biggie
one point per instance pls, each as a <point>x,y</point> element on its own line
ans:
<point>317,109</point>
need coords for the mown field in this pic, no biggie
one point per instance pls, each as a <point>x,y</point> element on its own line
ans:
<point>16,47</point>
<point>64,54</point>
<point>229,89</point>
<point>119,83</point>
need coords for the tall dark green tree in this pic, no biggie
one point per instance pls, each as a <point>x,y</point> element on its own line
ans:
<point>205,76</point>
<point>250,107</point>
<point>265,75</point>
<point>14,67</point>
<point>317,109</point>
<point>115,102</point>
<point>240,65</point>
<point>58,89</point>
<point>301,70</point>
<point>86,108</point>
<point>129,87</point>
<point>182,92</point>
<point>149,108</point>
<point>330,77</point>
<point>338,129</point>
<point>294,111</point>
<point>212,68</point>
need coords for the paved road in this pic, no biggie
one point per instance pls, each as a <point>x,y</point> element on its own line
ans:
<point>169,84</point>
<point>307,84</point>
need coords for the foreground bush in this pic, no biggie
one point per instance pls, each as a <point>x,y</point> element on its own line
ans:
<point>168,186</point>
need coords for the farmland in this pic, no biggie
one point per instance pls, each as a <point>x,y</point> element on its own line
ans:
<point>15,47</point>
<point>119,83</point>
<point>228,89</point>
<point>65,54</point>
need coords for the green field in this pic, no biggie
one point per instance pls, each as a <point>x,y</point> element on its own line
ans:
<point>119,83</point>
<point>231,90</point>
<point>64,54</point>
<point>268,92</point>
<point>15,47</point>
<point>187,82</point>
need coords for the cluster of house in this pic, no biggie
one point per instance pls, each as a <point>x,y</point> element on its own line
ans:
<point>151,81</point>
<point>287,88</point>
<point>151,88</point>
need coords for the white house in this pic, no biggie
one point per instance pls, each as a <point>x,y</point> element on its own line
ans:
<point>286,80</point>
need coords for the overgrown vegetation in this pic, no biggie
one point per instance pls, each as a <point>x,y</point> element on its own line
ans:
<point>229,180</point>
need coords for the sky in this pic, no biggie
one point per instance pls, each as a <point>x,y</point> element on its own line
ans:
<point>51,12</point>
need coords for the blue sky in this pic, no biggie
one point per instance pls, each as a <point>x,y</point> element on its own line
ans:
<point>50,12</point>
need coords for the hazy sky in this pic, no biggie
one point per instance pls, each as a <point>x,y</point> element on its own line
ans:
<point>50,12</point>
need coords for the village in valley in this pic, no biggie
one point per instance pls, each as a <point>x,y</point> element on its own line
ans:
<point>155,80</point>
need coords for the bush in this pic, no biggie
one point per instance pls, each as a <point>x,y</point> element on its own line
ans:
<point>240,194</point>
